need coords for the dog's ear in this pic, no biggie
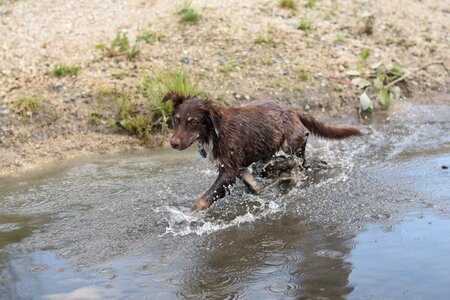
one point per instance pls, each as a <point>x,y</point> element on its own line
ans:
<point>216,121</point>
<point>176,98</point>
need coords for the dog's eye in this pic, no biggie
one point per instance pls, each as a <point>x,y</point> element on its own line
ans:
<point>193,122</point>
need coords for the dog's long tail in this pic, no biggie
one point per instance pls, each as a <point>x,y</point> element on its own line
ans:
<point>326,130</point>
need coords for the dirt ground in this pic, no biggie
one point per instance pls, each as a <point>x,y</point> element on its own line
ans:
<point>237,51</point>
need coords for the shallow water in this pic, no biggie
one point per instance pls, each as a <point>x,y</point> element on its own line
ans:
<point>374,224</point>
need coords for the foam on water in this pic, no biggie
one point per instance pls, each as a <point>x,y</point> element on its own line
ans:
<point>181,222</point>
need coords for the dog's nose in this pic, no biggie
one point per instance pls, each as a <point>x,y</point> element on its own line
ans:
<point>175,143</point>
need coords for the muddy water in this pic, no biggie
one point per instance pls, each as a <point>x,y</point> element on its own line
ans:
<point>373,223</point>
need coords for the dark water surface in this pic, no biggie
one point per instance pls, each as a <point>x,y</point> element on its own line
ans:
<point>375,224</point>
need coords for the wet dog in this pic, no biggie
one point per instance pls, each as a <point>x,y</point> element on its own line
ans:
<point>235,137</point>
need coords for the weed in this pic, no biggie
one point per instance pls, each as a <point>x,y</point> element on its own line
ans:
<point>340,39</point>
<point>120,46</point>
<point>150,37</point>
<point>94,117</point>
<point>61,70</point>
<point>311,3</point>
<point>268,61</point>
<point>133,53</point>
<point>188,14</point>
<point>305,24</point>
<point>229,67</point>
<point>119,75</point>
<point>365,53</point>
<point>291,4</point>
<point>265,39</point>
<point>395,72</point>
<point>27,105</point>
<point>366,25</point>
<point>154,88</point>
<point>330,13</point>
<point>303,73</point>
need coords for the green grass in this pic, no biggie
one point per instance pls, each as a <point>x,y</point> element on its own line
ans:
<point>27,104</point>
<point>311,3</point>
<point>364,54</point>
<point>265,39</point>
<point>61,70</point>
<point>120,46</point>
<point>395,72</point>
<point>150,37</point>
<point>188,14</point>
<point>230,66</point>
<point>119,75</point>
<point>340,39</point>
<point>305,24</point>
<point>303,73</point>
<point>291,4</point>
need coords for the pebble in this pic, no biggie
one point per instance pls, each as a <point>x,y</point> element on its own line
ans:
<point>237,96</point>
<point>68,100</point>
<point>4,111</point>
<point>307,107</point>
<point>186,60</point>
<point>247,97</point>
<point>58,86</point>
<point>221,60</point>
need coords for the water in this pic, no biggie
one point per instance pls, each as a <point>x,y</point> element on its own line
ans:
<point>374,224</point>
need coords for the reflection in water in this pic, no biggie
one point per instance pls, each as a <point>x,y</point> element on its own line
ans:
<point>280,257</point>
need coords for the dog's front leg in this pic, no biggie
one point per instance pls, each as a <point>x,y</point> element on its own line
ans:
<point>217,191</point>
<point>248,179</point>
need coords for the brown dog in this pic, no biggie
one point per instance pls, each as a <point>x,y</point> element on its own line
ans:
<point>236,137</point>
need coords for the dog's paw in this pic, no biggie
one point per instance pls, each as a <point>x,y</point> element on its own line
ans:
<point>201,204</point>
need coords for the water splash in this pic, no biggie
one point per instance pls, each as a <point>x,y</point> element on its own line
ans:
<point>181,222</point>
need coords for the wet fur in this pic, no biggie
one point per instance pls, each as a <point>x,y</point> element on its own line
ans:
<point>240,136</point>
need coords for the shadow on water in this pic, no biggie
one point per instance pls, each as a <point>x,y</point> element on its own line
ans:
<point>374,216</point>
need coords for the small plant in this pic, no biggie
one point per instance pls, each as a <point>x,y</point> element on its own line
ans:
<point>27,105</point>
<point>330,13</point>
<point>120,46</point>
<point>119,75</point>
<point>94,117</point>
<point>311,3</point>
<point>133,52</point>
<point>188,14</point>
<point>265,39</point>
<point>61,70</point>
<point>395,72</point>
<point>305,24</point>
<point>365,53</point>
<point>291,4</point>
<point>366,25</point>
<point>150,37</point>
<point>303,73</point>
<point>231,66</point>
<point>340,39</point>
<point>268,61</point>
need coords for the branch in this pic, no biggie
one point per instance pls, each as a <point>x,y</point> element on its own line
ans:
<point>416,70</point>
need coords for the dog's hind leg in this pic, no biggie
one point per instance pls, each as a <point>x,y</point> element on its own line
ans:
<point>301,152</point>
<point>248,179</point>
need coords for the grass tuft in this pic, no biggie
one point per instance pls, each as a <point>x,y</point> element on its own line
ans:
<point>188,14</point>
<point>61,70</point>
<point>290,4</point>
<point>27,105</point>
<point>150,37</point>
<point>305,24</point>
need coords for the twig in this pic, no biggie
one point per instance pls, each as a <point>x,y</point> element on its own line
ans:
<point>416,70</point>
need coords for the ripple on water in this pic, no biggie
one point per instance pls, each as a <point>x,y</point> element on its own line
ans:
<point>286,288</point>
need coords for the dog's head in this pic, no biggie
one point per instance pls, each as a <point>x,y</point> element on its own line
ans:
<point>194,120</point>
